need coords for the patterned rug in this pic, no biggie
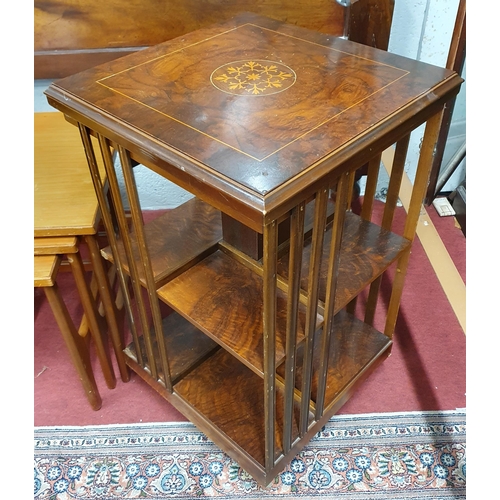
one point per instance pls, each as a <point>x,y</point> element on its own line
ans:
<point>377,456</point>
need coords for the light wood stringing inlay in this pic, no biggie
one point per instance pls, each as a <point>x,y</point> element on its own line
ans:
<point>180,91</point>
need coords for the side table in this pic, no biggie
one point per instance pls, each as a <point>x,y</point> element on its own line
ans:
<point>266,123</point>
<point>66,205</point>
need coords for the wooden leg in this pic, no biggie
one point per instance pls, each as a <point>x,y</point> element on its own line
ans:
<point>76,345</point>
<point>417,197</point>
<point>90,309</point>
<point>109,306</point>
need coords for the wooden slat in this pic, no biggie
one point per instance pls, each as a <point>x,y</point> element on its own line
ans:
<point>341,201</point>
<point>387,218</point>
<point>313,277</point>
<point>417,197</point>
<point>295,265</point>
<point>269,296</point>
<point>371,187</point>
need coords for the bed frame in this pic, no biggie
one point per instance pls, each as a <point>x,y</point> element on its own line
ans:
<point>71,35</point>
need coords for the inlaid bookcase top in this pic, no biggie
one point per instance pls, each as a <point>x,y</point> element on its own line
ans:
<point>266,124</point>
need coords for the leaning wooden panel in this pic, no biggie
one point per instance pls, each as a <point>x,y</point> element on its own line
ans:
<point>71,35</point>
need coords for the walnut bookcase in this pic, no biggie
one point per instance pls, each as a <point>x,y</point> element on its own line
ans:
<point>266,125</point>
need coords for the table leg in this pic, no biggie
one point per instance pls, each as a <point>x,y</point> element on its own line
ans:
<point>90,309</point>
<point>76,345</point>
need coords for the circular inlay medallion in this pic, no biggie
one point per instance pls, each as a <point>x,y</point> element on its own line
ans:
<point>254,78</point>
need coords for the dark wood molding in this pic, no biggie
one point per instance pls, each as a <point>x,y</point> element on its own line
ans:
<point>71,36</point>
<point>455,62</point>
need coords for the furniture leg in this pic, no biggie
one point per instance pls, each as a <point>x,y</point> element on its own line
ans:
<point>92,315</point>
<point>76,345</point>
<point>109,305</point>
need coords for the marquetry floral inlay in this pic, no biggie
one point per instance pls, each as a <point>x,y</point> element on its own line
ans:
<point>253,77</point>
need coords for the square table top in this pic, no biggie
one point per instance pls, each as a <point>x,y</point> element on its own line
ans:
<point>253,110</point>
<point>65,202</point>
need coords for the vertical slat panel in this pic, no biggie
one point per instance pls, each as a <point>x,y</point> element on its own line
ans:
<point>138,226</point>
<point>373,169</point>
<point>420,185</point>
<point>341,205</point>
<point>134,276</point>
<point>389,210</point>
<point>352,182</point>
<point>270,246</point>
<point>121,221</point>
<point>312,305</point>
<point>103,198</point>
<point>294,266</point>
<point>101,277</point>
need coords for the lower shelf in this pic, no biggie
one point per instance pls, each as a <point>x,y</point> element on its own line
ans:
<point>231,397</point>
<point>225,399</point>
<point>186,347</point>
<point>354,346</point>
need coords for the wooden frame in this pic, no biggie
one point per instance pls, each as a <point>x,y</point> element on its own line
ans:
<point>260,347</point>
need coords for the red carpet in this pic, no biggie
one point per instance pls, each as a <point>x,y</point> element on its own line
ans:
<point>426,370</point>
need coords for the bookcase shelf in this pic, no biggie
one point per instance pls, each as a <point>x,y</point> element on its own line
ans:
<point>367,251</point>
<point>223,298</point>
<point>175,240</point>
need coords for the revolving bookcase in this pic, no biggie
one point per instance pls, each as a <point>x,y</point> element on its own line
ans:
<point>266,125</point>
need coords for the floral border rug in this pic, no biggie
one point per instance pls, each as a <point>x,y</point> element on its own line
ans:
<point>377,456</point>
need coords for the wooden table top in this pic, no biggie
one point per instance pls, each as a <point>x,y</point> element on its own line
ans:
<point>64,196</point>
<point>249,113</point>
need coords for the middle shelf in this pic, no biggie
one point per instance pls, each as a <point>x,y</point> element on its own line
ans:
<point>223,297</point>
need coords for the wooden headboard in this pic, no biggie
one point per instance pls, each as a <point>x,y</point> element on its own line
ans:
<point>73,35</point>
